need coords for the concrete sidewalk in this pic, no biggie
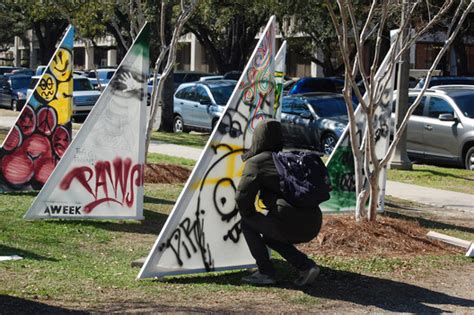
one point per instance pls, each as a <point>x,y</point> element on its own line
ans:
<point>431,196</point>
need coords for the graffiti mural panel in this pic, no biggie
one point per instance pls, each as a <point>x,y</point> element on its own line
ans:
<point>101,173</point>
<point>280,71</point>
<point>203,231</point>
<point>42,131</point>
<point>341,162</point>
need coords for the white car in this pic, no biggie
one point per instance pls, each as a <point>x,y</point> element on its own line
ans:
<point>103,76</point>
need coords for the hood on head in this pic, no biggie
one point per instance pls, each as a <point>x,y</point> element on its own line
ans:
<point>267,136</point>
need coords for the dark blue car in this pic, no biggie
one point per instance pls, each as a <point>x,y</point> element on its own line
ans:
<point>308,85</point>
<point>313,120</point>
<point>13,91</point>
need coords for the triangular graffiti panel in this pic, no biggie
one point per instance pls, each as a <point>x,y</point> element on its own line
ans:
<point>341,162</point>
<point>280,72</point>
<point>203,231</point>
<point>101,174</point>
<point>42,132</point>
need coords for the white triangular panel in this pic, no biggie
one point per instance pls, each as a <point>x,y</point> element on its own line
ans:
<point>280,72</point>
<point>341,162</point>
<point>203,231</point>
<point>101,173</point>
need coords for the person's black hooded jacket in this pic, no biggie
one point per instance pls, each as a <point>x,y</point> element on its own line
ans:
<point>260,177</point>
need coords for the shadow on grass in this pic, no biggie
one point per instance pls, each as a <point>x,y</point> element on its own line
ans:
<point>21,193</point>
<point>159,201</point>
<point>8,251</point>
<point>16,305</point>
<point>426,223</point>
<point>152,224</point>
<point>338,285</point>
<point>443,174</point>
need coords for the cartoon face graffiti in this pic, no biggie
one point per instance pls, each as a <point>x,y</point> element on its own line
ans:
<point>27,121</point>
<point>47,87</point>
<point>60,140</point>
<point>61,66</point>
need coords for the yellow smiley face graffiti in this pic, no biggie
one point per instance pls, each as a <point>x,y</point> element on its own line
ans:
<point>47,87</point>
<point>61,66</point>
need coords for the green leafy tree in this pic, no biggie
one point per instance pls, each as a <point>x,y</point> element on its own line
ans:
<point>311,34</point>
<point>227,29</point>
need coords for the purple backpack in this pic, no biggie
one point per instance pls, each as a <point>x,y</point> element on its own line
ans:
<point>304,179</point>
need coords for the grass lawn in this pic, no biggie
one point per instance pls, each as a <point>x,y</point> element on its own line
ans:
<point>167,159</point>
<point>182,138</point>
<point>453,179</point>
<point>86,264</point>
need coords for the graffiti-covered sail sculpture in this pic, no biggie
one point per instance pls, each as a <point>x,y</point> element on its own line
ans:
<point>42,132</point>
<point>203,231</point>
<point>280,72</point>
<point>341,162</point>
<point>101,174</point>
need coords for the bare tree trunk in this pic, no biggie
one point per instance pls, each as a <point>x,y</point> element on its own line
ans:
<point>369,166</point>
<point>167,105</point>
<point>157,93</point>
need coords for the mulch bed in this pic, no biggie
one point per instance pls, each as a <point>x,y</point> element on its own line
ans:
<point>341,235</point>
<point>166,174</point>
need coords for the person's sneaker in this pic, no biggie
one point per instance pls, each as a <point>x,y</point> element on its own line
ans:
<point>258,279</point>
<point>307,277</point>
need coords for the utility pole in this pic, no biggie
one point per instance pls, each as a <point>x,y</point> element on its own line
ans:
<point>400,158</point>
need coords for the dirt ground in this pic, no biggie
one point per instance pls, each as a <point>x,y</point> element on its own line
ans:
<point>166,174</point>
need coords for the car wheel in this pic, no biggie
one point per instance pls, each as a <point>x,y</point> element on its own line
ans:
<point>178,125</point>
<point>328,143</point>
<point>469,160</point>
<point>14,105</point>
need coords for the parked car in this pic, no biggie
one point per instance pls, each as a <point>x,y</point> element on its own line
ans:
<point>180,77</point>
<point>439,80</point>
<point>233,75</point>
<point>313,120</point>
<point>7,69</point>
<point>13,91</point>
<point>441,130</point>
<point>84,96</point>
<point>22,71</point>
<point>103,76</point>
<point>307,85</point>
<point>40,70</point>
<point>198,105</point>
<point>211,77</point>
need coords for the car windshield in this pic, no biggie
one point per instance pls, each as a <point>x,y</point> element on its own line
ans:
<point>20,83</point>
<point>82,85</point>
<point>222,93</point>
<point>465,104</point>
<point>33,82</point>
<point>106,74</point>
<point>328,107</point>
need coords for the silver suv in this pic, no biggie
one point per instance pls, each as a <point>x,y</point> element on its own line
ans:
<point>198,105</point>
<point>442,127</point>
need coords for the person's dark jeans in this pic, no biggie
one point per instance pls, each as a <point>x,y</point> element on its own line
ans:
<point>260,230</point>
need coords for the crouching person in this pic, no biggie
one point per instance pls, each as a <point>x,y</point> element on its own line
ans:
<point>280,225</point>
